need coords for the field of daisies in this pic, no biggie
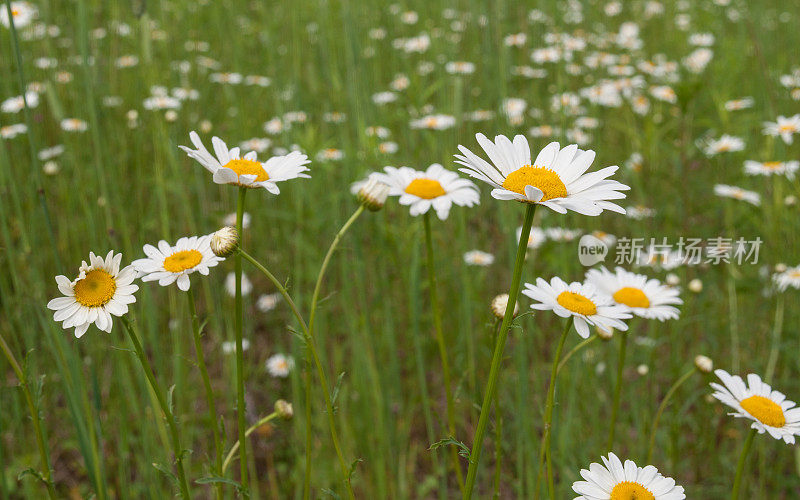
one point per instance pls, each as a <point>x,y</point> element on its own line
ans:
<point>413,250</point>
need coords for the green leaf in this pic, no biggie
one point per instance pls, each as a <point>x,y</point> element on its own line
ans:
<point>336,389</point>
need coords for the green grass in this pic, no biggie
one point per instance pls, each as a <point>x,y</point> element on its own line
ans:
<point>120,187</point>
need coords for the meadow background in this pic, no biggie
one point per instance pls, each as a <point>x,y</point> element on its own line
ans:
<point>123,182</point>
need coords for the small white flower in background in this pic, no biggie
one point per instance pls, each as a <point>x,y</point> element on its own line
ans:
<point>51,168</point>
<point>703,363</point>
<point>789,277</point>
<point>50,153</point>
<point>696,285</point>
<point>787,168</point>
<point>23,14</point>
<point>537,237</point>
<point>642,370</point>
<point>279,365</point>
<point>169,264</point>
<point>17,104</point>
<point>434,122</point>
<point>268,302</point>
<point>737,104</point>
<point>478,258</point>
<point>737,193</point>
<point>11,131</point>
<point>230,284</point>
<point>460,68</point>
<point>784,127</point>
<point>229,346</point>
<point>499,305</point>
<point>230,220</point>
<point>73,125</point>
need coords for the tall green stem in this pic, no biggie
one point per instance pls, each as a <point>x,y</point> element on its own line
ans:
<point>497,357</point>
<point>238,330</point>
<point>623,347</point>
<point>212,407</point>
<point>312,315</point>
<point>661,409</point>
<point>34,412</point>
<point>544,451</point>
<point>311,346</point>
<point>737,481</point>
<point>437,321</point>
<point>162,401</point>
<point>777,329</point>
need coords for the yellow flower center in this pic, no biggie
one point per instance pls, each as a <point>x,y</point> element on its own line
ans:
<point>771,165</point>
<point>786,128</point>
<point>539,177</point>
<point>628,490</point>
<point>425,188</point>
<point>96,289</point>
<point>765,410</point>
<point>631,297</point>
<point>248,167</point>
<point>183,260</point>
<point>14,13</point>
<point>576,303</point>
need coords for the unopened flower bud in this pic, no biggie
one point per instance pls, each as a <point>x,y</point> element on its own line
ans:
<point>605,334</point>
<point>373,194</point>
<point>780,267</point>
<point>673,279</point>
<point>284,409</point>
<point>499,305</point>
<point>703,363</point>
<point>225,241</point>
<point>642,370</point>
<point>696,285</point>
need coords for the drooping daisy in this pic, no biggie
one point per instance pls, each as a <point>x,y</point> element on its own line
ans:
<point>612,480</point>
<point>556,179</point>
<point>168,264</point>
<point>769,410</point>
<point>101,290</point>
<point>435,187</point>
<point>582,301</point>
<point>279,365</point>
<point>783,127</point>
<point>647,298</point>
<point>787,278</point>
<point>229,167</point>
<point>767,168</point>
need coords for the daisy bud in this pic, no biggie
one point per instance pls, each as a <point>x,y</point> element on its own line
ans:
<point>51,168</point>
<point>780,267</point>
<point>703,363</point>
<point>605,334</point>
<point>673,279</point>
<point>373,194</point>
<point>790,201</point>
<point>225,241</point>
<point>696,285</point>
<point>499,305</point>
<point>284,409</point>
<point>642,370</point>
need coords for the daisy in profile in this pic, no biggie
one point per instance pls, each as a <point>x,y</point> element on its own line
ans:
<point>737,193</point>
<point>435,188</point>
<point>769,410</point>
<point>617,481</point>
<point>229,167</point>
<point>557,178</point>
<point>478,258</point>
<point>725,144</point>
<point>787,278</point>
<point>647,298</point>
<point>100,291</point>
<point>585,303</point>
<point>168,264</point>
<point>767,168</point>
<point>783,127</point>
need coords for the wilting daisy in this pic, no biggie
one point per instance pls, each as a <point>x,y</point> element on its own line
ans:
<point>647,298</point>
<point>435,187</point>
<point>615,481</point>
<point>582,301</point>
<point>229,167</point>
<point>784,127</point>
<point>556,179</point>
<point>279,365</point>
<point>101,290</point>
<point>787,168</point>
<point>769,410</point>
<point>787,278</point>
<point>168,264</point>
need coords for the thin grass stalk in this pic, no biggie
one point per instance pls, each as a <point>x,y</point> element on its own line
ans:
<point>777,329</point>
<point>737,481</point>
<point>241,416</point>
<point>165,408</point>
<point>46,472</point>
<point>661,409</point>
<point>212,407</point>
<point>497,357</point>
<point>440,341</point>
<point>583,343</point>
<point>498,434</point>
<point>623,347</point>
<point>249,431</point>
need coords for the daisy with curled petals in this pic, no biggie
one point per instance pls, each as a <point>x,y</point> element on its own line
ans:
<point>582,301</point>
<point>229,167</point>
<point>769,410</point>
<point>435,188</point>
<point>100,291</point>
<point>168,264</point>
<point>557,178</point>
<point>647,298</point>
<point>613,480</point>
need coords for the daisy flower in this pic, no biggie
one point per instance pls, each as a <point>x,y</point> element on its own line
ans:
<point>787,168</point>
<point>647,298</point>
<point>478,258</point>
<point>787,278</point>
<point>279,365</point>
<point>769,410</point>
<point>23,14</point>
<point>613,480</point>
<point>582,301</point>
<point>784,127</point>
<point>556,179</point>
<point>168,264</point>
<point>229,167</point>
<point>725,144</point>
<point>101,290</point>
<point>435,187</point>
<point>737,193</point>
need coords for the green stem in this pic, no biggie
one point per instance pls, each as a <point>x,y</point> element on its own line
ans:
<point>310,344</point>
<point>37,426</point>
<point>212,408</point>
<point>437,321</point>
<point>661,409</point>
<point>249,431</point>
<point>498,435</point>
<point>623,347</point>
<point>238,331</point>
<point>162,401</point>
<point>777,329</point>
<point>583,343</point>
<point>544,450</point>
<point>497,357</point>
<point>312,316</point>
<point>737,481</point>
